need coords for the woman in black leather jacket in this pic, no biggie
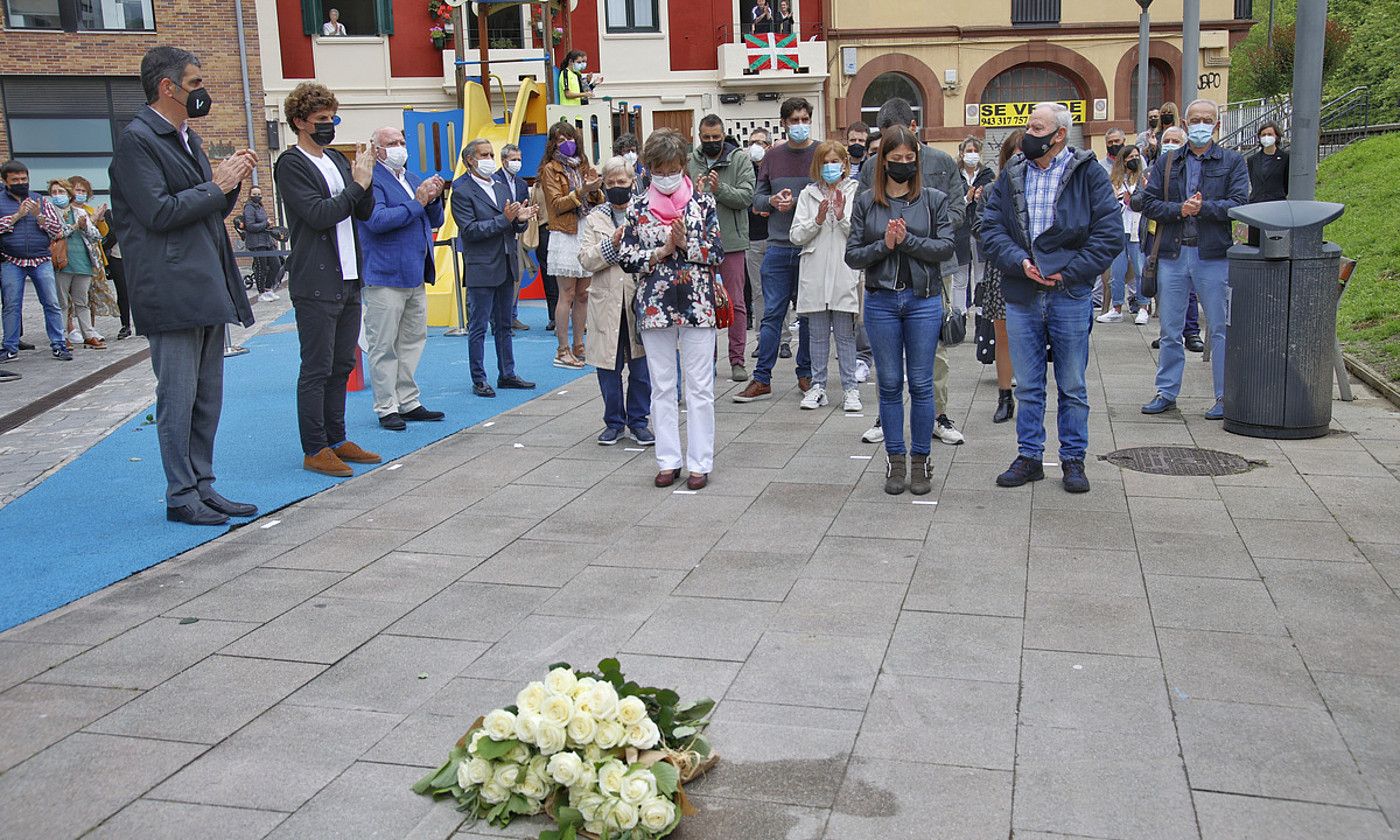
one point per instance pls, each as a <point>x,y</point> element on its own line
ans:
<point>899,235</point>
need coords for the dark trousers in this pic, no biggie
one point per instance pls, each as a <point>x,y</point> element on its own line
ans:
<point>117,272</point>
<point>189,367</point>
<point>265,271</point>
<point>551,286</point>
<point>632,411</point>
<point>329,332</point>
<point>490,304</point>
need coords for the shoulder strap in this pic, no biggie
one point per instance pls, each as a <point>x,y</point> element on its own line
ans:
<point>1166,185</point>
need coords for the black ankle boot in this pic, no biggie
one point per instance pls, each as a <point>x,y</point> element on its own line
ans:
<point>1006,407</point>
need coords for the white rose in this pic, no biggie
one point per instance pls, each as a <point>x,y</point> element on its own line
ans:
<point>478,771</point>
<point>588,778</point>
<point>549,738</point>
<point>602,701</point>
<point>538,766</point>
<point>585,684</point>
<point>582,729</point>
<point>594,827</point>
<point>561,681</point>
<point>507,775</point>
<point>610,734</point>
<point>610,777</point>
<point>533,806</point>
<point>589,804</point>
<point>622,817</point>
<point>644,735</point>
<point>657,813</point>
<point>592,754</point>
<point>631,711</point>
<point>531,787</point>
<point>519,754</point>
<point>531,697</point>
<point>493,794</point>
<point>557,709</point>
<point>500,725</point>
<point>638,786</point>
<point>565,768</point>
<point>526,724</point>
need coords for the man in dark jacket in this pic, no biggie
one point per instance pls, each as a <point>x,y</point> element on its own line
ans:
<point>169,207</point>
<point>719,168</point>
<point>1192,213</point>
<point>321,193</point>
<point>1052,226</point>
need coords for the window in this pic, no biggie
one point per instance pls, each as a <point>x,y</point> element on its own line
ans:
<point>81,15</point>
<point>886,87</point>
<point>359,17</point>
<point>63,126</point>
<point>1158,90</point>
<point>1244,9</point>
<point>777,16</point>
<point>633,16</point>
<point>505,29</point>
<point>1035,12</point>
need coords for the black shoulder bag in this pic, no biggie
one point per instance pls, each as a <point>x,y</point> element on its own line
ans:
<point>1148,287</point>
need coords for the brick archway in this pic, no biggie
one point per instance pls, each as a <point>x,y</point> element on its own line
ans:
<point>1170,58</point>
<point>1075,67</point>
<point>917,71</point>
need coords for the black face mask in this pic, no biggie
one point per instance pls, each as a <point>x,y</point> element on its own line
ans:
<point>618,196</point>
<point>856,150</point>
<point>256,199</point>
<point>19,189</point>
<point>323,133</point>
<point>1114,150</point>
<point>1152,121</point>
<point>1168,119</point>
<point>902,173</point>
<point>712,148</point>
<point>1134,165</point>
<point>1035,148</point>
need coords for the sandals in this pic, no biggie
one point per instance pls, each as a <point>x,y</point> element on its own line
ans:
<point>564,359</point>
<point>578,352</point>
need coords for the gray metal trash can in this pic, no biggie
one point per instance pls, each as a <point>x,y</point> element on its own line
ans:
<point>1283,322</point>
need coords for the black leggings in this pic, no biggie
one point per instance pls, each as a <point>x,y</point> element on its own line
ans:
<point>551,286</point>
<point>117,272</point>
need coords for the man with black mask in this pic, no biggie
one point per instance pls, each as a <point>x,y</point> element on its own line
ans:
<point>1052,225</point>
<point>857,145</point>
<point>717,167</point>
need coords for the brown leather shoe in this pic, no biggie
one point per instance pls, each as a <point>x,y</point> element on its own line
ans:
<point>805,383</point>
<point>754,391</point>
<point>666,478</point>
<point>353,454</point>
<point>326,462</point>
<point>95,343</point>
<point>697,481</point>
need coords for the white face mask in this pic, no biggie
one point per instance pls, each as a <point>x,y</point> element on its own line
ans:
<point>668,184</point>
<point>1268,141</point>
<point>486,167</point>
<point>756,152</point>
<point>631,158</point>
<point>971,158</point>
<point>396,156</point>
<point>513,166</point>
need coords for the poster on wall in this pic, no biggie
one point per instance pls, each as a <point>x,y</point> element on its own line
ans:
<point>1015,114</point>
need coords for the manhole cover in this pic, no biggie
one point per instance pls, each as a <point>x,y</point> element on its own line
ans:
<point>1179,460</point>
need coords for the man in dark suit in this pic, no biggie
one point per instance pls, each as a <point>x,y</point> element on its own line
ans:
<point>321,192</point>
<point>512,161</point>
<point>398,245</point>
<point>490,221</point>
<point>169,206</point>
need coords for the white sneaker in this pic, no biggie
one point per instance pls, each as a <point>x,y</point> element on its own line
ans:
<point>267,297</point>
<point>1141,318</point>
<point>944,430</point>
<point>874,434</point>
<point>852,401</point>
<point>814,398</point>
<point>862,371</point>
<point>75,337</point>
<point>1112,316</point>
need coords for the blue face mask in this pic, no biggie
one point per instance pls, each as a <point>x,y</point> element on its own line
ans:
<point>831,172</point>
<point>1199,134</point>
<point>1170,147</point>
<point>799,133</point>
<point>59,200</point>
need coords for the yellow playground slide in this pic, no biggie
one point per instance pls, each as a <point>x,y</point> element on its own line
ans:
<point>529,116</point>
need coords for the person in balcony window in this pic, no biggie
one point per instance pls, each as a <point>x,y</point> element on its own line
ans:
<point>761,19</point>
<point>333,26</point>
<point>576,85</point>
<point>784,22</point>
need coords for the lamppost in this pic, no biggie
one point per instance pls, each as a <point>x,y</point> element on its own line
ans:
<point>1144,39</point>
<point>1307,99</point>
<point>1190,53</point>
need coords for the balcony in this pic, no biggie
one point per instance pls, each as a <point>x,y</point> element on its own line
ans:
<point>744,64</point>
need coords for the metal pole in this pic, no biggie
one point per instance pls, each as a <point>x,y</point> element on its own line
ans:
<point>1190,54</point>
<point>459,43</point>
<point>1307,100</point>
<point>1271,25</point>
<point>247,96</point>
<point>484,48</point>
<point>461,328</point>
<point>1144,71</point>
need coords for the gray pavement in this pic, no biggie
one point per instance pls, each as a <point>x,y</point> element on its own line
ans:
<point>1165,657</point>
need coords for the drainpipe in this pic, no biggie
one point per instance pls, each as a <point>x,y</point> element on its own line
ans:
<point>247,93</point>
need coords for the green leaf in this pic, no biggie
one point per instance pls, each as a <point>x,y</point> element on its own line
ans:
<point>681,732</point>
<point>569,817</point>
<point>611,671</point>
<point>701,746</point>
<point>667,697</point>
<point>566,666</point>
<point>492,750</point>
<point>695,710</point>
<point>667,777</point>
<point>427,783</point>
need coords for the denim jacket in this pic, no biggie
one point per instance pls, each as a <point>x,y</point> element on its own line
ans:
<point>1224,184</point>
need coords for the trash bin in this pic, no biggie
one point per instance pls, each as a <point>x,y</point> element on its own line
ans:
<point>1283,322</point>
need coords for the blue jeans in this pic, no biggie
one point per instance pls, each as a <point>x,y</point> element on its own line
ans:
<point>1131,255</point>
<point>903,332</point>
<point>1192,325</point>
<point>780,266</point>
<point>493,304</point>
<point>1063,322</point>
<point>1211,279</point>
<point>633,410</point>
<point>12,282</point>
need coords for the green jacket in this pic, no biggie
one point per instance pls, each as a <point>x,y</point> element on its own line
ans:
<point>734,194</point>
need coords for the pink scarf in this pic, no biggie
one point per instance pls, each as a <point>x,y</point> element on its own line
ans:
<point>668,208</point>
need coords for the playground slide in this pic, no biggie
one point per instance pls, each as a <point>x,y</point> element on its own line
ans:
<point>524,126</point>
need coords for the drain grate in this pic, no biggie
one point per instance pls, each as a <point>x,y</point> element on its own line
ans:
<point>1179,460</point>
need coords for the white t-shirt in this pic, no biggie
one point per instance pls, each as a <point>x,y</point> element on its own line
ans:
<point>345,228</point>
<point>1130,217</point>
<point>328,29</point>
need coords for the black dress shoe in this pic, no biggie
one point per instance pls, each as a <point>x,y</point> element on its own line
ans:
<point>393,422</point>
<point>514,382</point>
<point>423,413</point>
<point>195,514</point>
<point>1194,344</point>
<point>24,345</point>
<point>124,333</point>
<point>1156,344</point>
<point>481,389</point>
<point>219,504</point>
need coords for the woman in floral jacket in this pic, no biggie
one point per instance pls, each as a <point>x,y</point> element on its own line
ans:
<point>670,240</point>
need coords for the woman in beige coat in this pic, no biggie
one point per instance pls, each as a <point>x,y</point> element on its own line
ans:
<point>612,328</point>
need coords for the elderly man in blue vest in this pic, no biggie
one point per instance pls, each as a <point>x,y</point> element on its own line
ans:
<point>397,242</point>
<point>28,223</point>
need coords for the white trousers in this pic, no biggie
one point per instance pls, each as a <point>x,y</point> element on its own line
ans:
<point>697,358</point>
<point>396,328</point>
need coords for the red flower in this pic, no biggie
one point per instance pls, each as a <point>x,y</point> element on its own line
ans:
<point>653,310</point>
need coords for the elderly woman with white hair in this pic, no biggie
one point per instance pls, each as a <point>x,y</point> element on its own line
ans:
<point>671,242</point>
<point>613,341</point>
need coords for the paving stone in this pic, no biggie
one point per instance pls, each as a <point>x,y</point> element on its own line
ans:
<point>151,819</point>
<point>570,472</point>
<point>1278,503</point>
<point>660,547</point>
<point>699,512</point>
<point>968,647</point>
<point>1305,588</point>
<point>83,623</point>
<point>35,715</point>
<point>790,667</point>
<point>258,595</point>
<point>411,513</point>
<point>367,800</point>
<point>148,655</point>
<point>900,522</point>
<point>1082,571</point>
<point>393,674</point>
<point>1297,540</point>
<point>470,535</point>
<point>743,575</point>
<point>789,755</point>
<point>472,611</point>
<point>1385,559</point>
<point>299,524</point>
<point>982,581</point>
<point>1187,552</point>
<point>528,648</point>
<point>930,720</point>
<point>703,628</point>
<point>128,767</point>
<point>691,678</point>
<point>280,760</point>
<point>1351,463</point>
<point>1081,529</point>
<point>525,501</point>
<point>864,558</point>
<point>1226,817</point>
<point>20,661</point>
<point>1095,692</point>
<point>606,591</point>
<point>1168,486</point>
<point>1273,751</point>
<point>840,608</point>
<point>402,577</point>
<point>723,817</point>
<point>423,738</point>
<point>1234,606</point>
<point>322,629</point>
<point>1089,623</point>
<point>342,550</point>
<point>895,800</point>
<point>1365,709</point>
<point>1237,667</point>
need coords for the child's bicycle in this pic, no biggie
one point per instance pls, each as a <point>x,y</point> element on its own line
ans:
<point>279,235</point>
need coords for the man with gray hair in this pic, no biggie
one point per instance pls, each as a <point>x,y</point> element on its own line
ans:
<point>1052,225</point>
<point>512,161</point>
<point>397,241</point>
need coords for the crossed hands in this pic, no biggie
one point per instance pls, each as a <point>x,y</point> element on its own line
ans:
<point>1034,273</point>
<point>782,202</point>
<point>1192,205</point>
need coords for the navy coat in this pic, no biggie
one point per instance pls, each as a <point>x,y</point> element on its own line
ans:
<point>397,238</point>
<point>1224,184</point>
<point>490,241</point>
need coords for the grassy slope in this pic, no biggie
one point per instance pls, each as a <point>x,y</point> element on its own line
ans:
<point>1366,177</point>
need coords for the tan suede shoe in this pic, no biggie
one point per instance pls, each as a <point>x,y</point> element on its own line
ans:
<point>326,462</point>
<point>355,455</point>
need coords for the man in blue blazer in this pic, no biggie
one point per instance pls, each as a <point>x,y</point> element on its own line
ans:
<point>397,240</point>
<point>490,221</point>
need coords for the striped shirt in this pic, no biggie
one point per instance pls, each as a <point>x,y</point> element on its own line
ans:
<point>49,222</point>
<point>1042,185</point>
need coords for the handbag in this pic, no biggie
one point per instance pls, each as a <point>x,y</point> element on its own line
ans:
<point>1147,288</point>
<point>724,307</point>
<point>986,340</point>
<point>954,328</point>
<point>58,250</point>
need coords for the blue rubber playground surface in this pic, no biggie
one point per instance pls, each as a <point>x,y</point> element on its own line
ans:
<point>102,516</point>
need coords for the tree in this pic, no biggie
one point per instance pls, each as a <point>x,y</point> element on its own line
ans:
<point>1259,69</point>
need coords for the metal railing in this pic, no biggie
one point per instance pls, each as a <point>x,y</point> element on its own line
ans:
<point>1035,12</point>
<point>1244,120</point>
<point>1344,120</point>
<point>804,30</point>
